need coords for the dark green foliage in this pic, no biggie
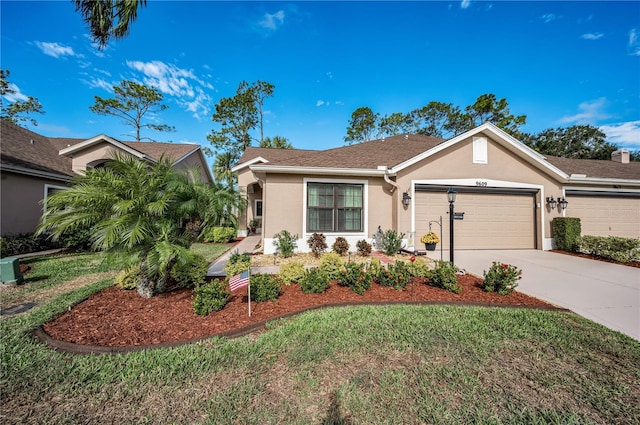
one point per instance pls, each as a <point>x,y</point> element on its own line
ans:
<point>332,265</point>
<point>395,275</point>
<point>128,278</point>
<point>566,232</point>
<point>613,247</point>
<point>264,287</point>
<point>318,243</point>
<point>501,278</point>
<point>391,242</point>
<point>78,239</point>
<point>363,247</point>
<point>25,243</point>
<point>356,277</point>
<point>444,276</point>
<point>191,272</point>
<point>220,235</point>
<point>210,297</point>
<point>285,243</point>
<point>314,281</point>
<point>340,246</point>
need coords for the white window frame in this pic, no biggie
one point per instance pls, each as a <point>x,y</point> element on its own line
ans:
<point>255,208</point>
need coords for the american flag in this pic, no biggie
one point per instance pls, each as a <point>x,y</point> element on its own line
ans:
<point>239,280</point>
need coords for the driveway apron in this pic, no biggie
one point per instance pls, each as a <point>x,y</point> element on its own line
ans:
<point>606,293</point>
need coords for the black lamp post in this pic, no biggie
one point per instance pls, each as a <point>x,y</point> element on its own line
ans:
<point>451,197</point>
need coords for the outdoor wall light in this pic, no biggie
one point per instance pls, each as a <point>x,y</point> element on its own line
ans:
<point>563,202</point>
<point>406,199</point>
<point>551,202</point>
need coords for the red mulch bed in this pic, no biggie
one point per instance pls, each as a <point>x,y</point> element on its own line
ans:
<point>118,318</point>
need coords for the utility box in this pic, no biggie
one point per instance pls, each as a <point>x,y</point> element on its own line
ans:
<point>10,271</point>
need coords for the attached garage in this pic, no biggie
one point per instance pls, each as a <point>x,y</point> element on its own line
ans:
<point>602,215</point>
<point>494,218</point>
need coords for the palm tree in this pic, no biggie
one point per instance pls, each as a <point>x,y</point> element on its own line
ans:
<point>222,168</point>
<point>108,18</point>
<point>137,211</point>
<point>278,142</point>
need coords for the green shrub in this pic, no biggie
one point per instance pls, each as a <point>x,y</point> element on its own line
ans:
<point>285,243</point>
<point>237,263</point>
<point>363,247</point>
<point>210,297</point>
<point>4,248</point>
<point>291,272</point>
<point>332,265</point>
<point>391,242</point>
<point>220,234</point>
<point>340,246</point>
<point>418,267</point>
<point>128,278</point>
<point>395,275</point>
<point>78,239</point>
<point>264,287</point>
<point>317,243</point>
<point>356,277</point>
<point>444,276</point>
<point>190,273</point>
<point>615,248</point>
<point>375,266</point>
<point>26,243</point>
<point>314,281</point>
<point>566,233</point>
<point>377,239</point>
<point>501,278</point>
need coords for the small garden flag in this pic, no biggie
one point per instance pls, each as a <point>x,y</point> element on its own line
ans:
<point>239,280</point>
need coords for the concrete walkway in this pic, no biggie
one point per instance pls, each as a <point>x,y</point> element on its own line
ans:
<point>606,293</point>
<point>248,244</point>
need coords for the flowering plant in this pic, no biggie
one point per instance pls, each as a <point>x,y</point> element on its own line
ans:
<point>430,238</point>
<point>501,278</point>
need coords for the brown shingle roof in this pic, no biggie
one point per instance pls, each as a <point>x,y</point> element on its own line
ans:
<point>597,168</point>
<point>24,148</point>
<point>273,154</point>
<point>156,149</point>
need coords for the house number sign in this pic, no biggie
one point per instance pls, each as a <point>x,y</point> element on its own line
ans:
<point>481,183</point>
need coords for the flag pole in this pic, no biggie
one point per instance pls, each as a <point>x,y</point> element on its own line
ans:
<point>249,291</point>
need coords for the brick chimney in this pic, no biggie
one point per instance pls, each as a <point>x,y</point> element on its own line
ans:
<point>621,155</point>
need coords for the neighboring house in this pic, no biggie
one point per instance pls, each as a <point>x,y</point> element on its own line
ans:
<point>504,189</point>
<point>32,166</point>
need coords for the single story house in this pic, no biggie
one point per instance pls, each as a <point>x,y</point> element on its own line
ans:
<point>509,193</point>
<point>32,166</point>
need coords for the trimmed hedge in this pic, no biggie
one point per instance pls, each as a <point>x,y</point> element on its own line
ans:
<point>566,232</point>
<point>615,248</point>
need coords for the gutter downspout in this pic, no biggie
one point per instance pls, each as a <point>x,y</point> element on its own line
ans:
<point>393,184</point>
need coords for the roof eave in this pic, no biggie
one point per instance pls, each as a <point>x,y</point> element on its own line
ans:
<point>602,180</point>
<point>248,163</point>
<point>104,138</point>
<point>329,171</point>
<point>35,173</point>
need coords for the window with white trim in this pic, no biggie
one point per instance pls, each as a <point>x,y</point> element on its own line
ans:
<point>258,209</point>
<point>334,207</point>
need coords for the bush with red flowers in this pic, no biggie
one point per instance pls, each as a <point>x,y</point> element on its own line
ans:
<point>501,278</point>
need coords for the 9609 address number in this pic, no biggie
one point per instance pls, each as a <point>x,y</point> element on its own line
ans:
<point>480,183</point>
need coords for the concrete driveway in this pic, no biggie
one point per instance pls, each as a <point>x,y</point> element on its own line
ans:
<point>606,293</point>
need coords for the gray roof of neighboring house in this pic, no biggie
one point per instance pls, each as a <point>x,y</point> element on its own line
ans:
<point>24,148</point>
<point>395,150</point>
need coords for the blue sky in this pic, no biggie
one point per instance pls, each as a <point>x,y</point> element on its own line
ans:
<point>559,63</point>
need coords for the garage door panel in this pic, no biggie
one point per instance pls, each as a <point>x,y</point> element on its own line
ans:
<point>606,216</point>
<point>491,221</point>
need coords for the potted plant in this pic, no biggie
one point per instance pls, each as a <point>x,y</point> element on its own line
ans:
<point>252,225</point>
<point>430,240</point>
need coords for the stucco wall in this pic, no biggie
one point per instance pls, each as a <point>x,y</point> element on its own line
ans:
<point>101,151</point>
<point>194,160</point>
<point>20,198</point>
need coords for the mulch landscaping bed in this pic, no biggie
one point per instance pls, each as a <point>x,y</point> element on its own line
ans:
<point>119,318</point>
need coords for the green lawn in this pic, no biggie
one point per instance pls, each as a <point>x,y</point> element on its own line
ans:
<point>361,365</point>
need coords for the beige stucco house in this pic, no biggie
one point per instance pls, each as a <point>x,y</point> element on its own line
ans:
<point>509,194</point>
<point>32,166</point>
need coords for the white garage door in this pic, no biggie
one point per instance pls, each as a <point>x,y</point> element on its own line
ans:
<point>491,220</point>
<point>606,216</point>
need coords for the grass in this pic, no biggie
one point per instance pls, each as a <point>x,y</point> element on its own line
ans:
<point>392,364</point>
<point>208,250</point>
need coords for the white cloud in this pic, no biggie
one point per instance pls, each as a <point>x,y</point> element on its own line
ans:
<point>593,36</point>
<point>17,95</point>
<point>320,102</point>
<point>167,78</point>
<point>623,134</point>
<point>548,17</point>
<point>272,21</point>
<point>199,106</point>
<point>99,83</point>
<point>634,43</point>
<point>54,49</point>
<point>590,112</point>
<point>465,4</point>
<point>339,102</point>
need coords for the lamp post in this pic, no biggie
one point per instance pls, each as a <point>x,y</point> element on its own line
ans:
<point>451,197</point>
